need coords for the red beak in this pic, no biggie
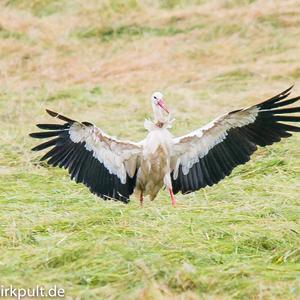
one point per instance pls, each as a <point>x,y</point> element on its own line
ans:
<point>161,103</point>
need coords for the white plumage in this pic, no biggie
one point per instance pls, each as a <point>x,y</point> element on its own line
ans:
<point>113,169</point>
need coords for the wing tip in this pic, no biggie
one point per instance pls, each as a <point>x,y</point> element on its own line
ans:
<point>59,116</point>
<point>289,89</point>
<point>286,92</point>
<point>36,148</point>
<point>32,134</point>
<point>52,113</point>
<point>267,104</point>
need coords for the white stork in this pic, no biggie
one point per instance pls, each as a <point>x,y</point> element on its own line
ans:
<point>113,169</point>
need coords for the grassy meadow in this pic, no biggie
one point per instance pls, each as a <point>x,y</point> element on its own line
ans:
<point>99,61</point>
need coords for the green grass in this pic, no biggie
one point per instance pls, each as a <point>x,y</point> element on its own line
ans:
<point>40,8</point>
<point>107,34</point>
<point>7,34</point>
<point>99,61</point>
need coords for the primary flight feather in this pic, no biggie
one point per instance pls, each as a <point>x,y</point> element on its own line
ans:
<point>113,169</point>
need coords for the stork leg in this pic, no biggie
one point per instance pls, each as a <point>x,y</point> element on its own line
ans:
<point>173,201</point>
<point>141,198</point>
<point>168,184</point>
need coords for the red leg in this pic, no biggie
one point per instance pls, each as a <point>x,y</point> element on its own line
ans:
<point>141,198</point>
<point>173,201</point>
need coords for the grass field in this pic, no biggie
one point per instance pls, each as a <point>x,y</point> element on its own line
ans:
<point>100,61</point>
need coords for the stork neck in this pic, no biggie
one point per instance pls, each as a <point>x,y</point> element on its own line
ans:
<point>159,115</point>
<point>157,125</point>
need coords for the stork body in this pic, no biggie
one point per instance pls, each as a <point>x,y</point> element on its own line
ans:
<point>155,169</point>
<point>113,168</point>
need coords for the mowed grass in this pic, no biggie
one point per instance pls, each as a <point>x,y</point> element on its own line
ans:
<point>100,61</point>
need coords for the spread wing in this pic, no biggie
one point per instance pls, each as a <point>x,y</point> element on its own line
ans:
<point>207,155</point>
<point>104,164</point>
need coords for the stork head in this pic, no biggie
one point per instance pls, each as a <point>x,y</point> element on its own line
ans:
<point>159,107</point>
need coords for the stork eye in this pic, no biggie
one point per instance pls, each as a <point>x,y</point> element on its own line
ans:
<point>155,97</point>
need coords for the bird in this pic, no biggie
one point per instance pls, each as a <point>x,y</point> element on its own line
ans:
<point>114,169</point>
